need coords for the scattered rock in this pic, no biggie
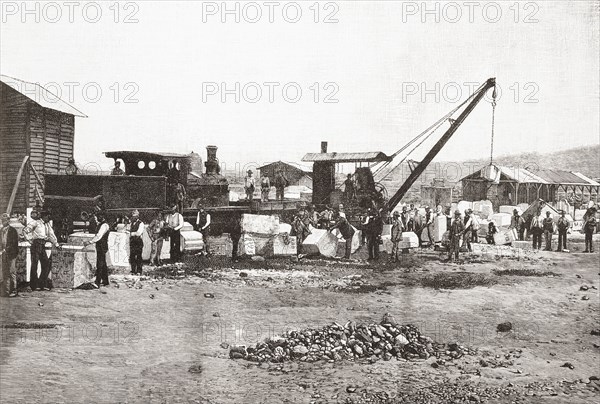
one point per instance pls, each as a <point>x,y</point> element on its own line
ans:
<point>350,389</point>
<point>243,274</point>
<point>567,365</point>
<point>258,258</point>
<point>224,345</point>
<point>504,327</point>
<point>585,297</point>
<point>41,304</point>
<point>195,369</point>
<point>151,296</point>
<point>584,288</point>
<point>216,315</point>
<point>209,295</point>
<point>595,332</point>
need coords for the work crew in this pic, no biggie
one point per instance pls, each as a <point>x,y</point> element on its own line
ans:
<point>174,224</point>
<point>548,226</point>
<point>157,234</point>
<point>347,232</point>
<point>468,232</point>
<point>203,226</point>
<point>9,248</point>
<point>71,168</point>
<point>349,189</point>
<point>429,225</point>
<point>101,241</point>
<point>536,229</point>
<point>136,243</point>
<point>517,223</point>
<point>563,226</point>
<point>492,230</point>
<point>249,186</point>
<point>235,234</point>
<point>589,228</point>
<point>38,232</point>
<point>117,170</point>
<point>396,234</point>
<point>280,183</point>
<point>372,227</point>
<point>457,229</point>
<point>265,187</point>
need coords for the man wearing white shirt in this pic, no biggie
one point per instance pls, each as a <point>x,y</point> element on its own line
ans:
<point>38,232</point>
<point>174,224</point>
<point>101,241</point>
<point>203,226</point>
<point>136,243</point>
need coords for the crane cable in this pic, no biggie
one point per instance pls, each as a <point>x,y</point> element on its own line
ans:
<point>493,124</point>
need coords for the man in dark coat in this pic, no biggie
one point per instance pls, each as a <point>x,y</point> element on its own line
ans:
<point>589,228</point>
<point>372,226</point>
<point>9,247</point>
<point>457,230</point>
<point>347,232</point>
<point>563,226</point>
<point>396,234</point>
<point>136,243</point>
<point>101,240</point>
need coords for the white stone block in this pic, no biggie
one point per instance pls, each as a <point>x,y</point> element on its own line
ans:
<point>281,248</point>
<point>410,238</point>
<point>501,219</point>
<point>260,224</point>
<point>320,242</point>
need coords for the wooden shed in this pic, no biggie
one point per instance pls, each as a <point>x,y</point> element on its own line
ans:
<point>35,123</point>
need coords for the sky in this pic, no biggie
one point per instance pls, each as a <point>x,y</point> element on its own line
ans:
<point>362,75</point>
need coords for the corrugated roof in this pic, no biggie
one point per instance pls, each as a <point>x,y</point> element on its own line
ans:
<point>521,175</point>
<point>40,95</point>
<point>542,176</point>
<point>347,157</point>
<point>565,177</point>
<point>300,167</point>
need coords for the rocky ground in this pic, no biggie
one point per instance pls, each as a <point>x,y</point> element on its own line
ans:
<point>167,337</point>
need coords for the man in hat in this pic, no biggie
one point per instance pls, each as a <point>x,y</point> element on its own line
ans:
<point>249,186</point>
<point>101,241</point>
<point>117,170</point>
<point>517,223</point>
<point>174,224</point>
<point>9,248</point>
<point>71,168</point>
<point>156,232</point>
<point>589,228</point>
<point>136,243</point>
<point>396,234</point>
<point>38,232</point>
<point>428,225</point>
<point>563,226</point>
<point>203,226</point>
<point>349,189</point>
<point>347,232</point>
<point>372,227</point>
<point>281,182</point>
<point>536,228</point>
<point>468,232</point>
<point>265,186</point>
<point>457,229</point>
<point>548,227</point>
<point>325,217</point>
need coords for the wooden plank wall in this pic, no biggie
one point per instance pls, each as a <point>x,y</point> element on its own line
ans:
<point>13,141</point>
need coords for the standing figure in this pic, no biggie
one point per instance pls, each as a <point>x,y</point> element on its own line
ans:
<point>136,243</point>
<point>38,232</point>
<point>468,232</point>
<point>9,248</point>
<point>235,234</point>
<point>349,189</point>
<point>405,219</point>
<point>563,226</point>
<point>156,232</point>
<point>249,186</point>
<point>347,232</point>
<point>372,228</point>
<point>101,241</point>
<point>490,233</point>
<point>180,195</point>
<point>417,224</point>
<point>325,217</point>
<point>429,225</point>
<point>280,183</point>
<point>536,229</point>
<point>475,225</point>
<point>517,223</point>
<point>457,229</point>
<point>174,224</point>
<point>71,168</point>
<point>589,228</point>
<point>396,234</point>
<point>117,170</point>
<point>548,227</point>
<point>203,226</point>
<point>265,187</point>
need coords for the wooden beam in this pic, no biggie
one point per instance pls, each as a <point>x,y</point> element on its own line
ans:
<point>13,195</point>
<point>37,176</point>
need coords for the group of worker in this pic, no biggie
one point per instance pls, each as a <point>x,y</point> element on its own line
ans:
<point>280,182</point>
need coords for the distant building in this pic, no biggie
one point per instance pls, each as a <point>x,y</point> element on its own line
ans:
<point>438,193</point>
<point>296,174</point>
<point>35,123</point>
<point>510,186</point>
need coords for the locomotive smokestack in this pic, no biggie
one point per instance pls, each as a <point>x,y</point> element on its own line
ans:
<point>323,147</point>
<point>212,163</point>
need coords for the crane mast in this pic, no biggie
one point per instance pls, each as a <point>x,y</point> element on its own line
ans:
<point>397,197</point>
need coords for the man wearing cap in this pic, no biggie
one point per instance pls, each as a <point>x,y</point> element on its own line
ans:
<point>517,223</point>
<point>174,224</point>
<point>203,226</point>
<point>563,226</point>
<point>589,228</point>
<point>136,243</point>
<point>38,232</point>
<point>9,248</point>
<point>249,186</point>
<point>372,227</point>
<point>396,234</point>
<point>280,183</point>
<point>457,229</point>
<point>71,168</point>
<point>347,232</point>
<point>548,227</point>
<point>117,170</point>
<point>101,241</point>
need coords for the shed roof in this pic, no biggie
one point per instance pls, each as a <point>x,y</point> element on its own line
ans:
<point>542,176</point>
<point>298,166</point>
<point>369,157</point>
<point>41,96</point>
<point>143,155</point>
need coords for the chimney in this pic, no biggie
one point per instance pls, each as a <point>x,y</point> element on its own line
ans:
<point>212,163</point>
<point>323,147</point>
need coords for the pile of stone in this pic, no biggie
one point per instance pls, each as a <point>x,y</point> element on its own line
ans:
<point>338,342</point>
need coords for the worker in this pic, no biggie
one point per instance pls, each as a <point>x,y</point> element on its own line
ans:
<point>325,217</point>
<point>174,224</point>
<point>136,243</point>
<point>117,170</point>
<point>468,232</point>
<point>492,230</point>
<point>101,241</point>
<point>347,232</point>
<point>536,231</point>
<point>405,219</point>
<point>157,233</point>
<point>349,189</point>
<point>589,228</point>
<point>203,226</point>
<point>235,234</point>
<point>281,182</point>
<point>342,211</point>
<point>548,227</point>
<point>314,216</point>
<point>457,230</point>
<point>180,196</point>
<point>249,186</point>
<point>418,225</point>
<point>9,249</point>
<point>300,224</point>
<point>265,187</point>
<point>428,225</point>
<point>372,228</point>
<point>396,234</point>
<point>517,223</point>
<point>563,226</point>
<point>38,232</point>
<point>71,168</point>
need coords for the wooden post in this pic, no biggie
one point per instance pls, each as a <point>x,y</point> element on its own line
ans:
<point>13,195</point>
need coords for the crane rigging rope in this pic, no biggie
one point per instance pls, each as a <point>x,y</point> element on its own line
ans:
<point>493,122</point>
